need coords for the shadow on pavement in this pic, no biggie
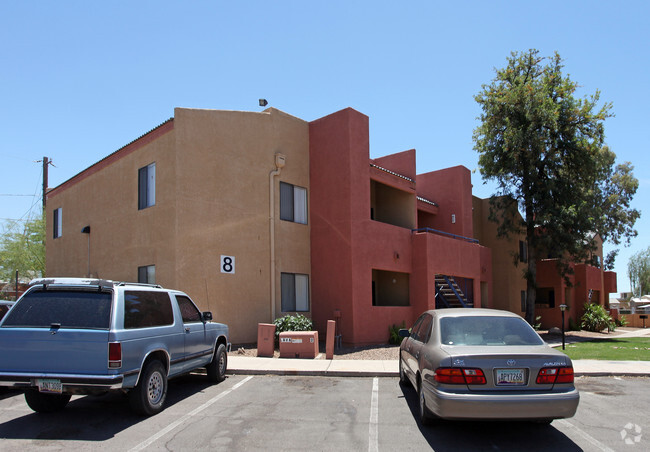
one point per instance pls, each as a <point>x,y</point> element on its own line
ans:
<point>489,435</point>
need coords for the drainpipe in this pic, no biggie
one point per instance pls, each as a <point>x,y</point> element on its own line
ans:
<point>279,164</point>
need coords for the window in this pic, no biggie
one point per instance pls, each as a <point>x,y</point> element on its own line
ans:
<point>293,203</point>
<point>189,311</point>
<point>58,223</point>
<point>67,308</point>
<point>147,274</point>
<point>147,186</point>
<point>295,292</point>
<point>145,309</point>
<point>423,331</point>
<point>523,251</point>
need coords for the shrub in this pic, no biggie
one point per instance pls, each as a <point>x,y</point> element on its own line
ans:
<point>296,322</point>
<point>596,318</point>
<point>622,321</point>
<point>394,338</point>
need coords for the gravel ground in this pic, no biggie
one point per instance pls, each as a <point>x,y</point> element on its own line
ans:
<point>388,352</point>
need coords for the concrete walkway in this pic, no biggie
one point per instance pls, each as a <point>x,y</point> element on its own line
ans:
<point>241,365</point>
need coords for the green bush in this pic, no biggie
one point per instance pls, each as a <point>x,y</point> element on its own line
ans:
<point>394,338</point>
<point>296,322</point>
<point>622,321</point>
<point>596,319</point>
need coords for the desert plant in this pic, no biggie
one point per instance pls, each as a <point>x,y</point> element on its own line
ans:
<point>622,321</point>
<point>596,318</point>
<point>394,338</point>
<point>296,322</point>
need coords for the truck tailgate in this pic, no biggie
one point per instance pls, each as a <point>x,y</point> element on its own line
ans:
<point>44,351</point>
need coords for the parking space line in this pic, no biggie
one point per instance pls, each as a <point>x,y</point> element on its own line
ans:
<point>184,418</point>
<point>593,441</point>
<point>373,431</point>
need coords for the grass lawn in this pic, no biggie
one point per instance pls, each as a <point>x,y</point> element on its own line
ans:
<point>624,349</point>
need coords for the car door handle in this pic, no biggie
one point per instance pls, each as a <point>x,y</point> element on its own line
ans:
<point>187,329</point>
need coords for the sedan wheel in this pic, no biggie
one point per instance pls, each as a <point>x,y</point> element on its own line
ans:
<point>425,414</point>
<point>402,376</point>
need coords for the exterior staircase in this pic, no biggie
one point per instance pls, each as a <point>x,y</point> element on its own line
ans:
<point>449,294</point>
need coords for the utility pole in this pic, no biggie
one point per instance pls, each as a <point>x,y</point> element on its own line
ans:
<point>46,162</point>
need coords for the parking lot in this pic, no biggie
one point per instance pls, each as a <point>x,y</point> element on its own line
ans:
<point>319,413</point>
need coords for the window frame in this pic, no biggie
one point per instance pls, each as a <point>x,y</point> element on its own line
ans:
<point>147,186</point>
<point>57,222</point>
<point>294,292</point>
<point>294,203</point>
<point>149,273</point>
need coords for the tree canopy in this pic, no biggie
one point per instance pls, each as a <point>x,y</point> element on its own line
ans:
<point>545,150</point>
<point>22,249</point>
<point>638,269</point>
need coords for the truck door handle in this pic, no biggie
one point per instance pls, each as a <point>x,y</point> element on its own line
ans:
<point>187,329</point>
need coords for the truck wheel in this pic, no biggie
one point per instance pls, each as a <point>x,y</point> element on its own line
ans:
<point>46,403</point>
<point>148,397</point>
<point>217,368</point>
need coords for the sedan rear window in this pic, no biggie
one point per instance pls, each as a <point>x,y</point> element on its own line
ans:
<point>487,330</point>
<point>61,308</point>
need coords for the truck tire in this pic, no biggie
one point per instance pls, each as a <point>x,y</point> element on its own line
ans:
<point>148,397</point>
<point>46,403</point>
<point>217,368</point>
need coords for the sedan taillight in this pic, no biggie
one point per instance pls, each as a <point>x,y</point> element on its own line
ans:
<point>114,355</point>
<point>456,376</point>
<point>552,375</point>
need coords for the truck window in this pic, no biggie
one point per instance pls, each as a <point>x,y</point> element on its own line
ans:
<point>188,310</point>
<point>67,308</point>
<point>147,309</point>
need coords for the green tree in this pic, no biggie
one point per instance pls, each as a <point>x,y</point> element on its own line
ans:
<point>545,150</point>
<point>638,270</point>
<point>22,249</point>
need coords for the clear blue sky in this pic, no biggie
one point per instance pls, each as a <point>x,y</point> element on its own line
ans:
<point>80,79</point>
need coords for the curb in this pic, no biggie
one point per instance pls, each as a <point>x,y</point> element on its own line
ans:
<point>313,373</point>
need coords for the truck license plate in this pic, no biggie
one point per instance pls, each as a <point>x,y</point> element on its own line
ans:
<point>51,386</point>
<point>511,377</point>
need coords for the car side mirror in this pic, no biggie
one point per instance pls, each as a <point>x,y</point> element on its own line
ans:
<point>207,316</point>
<point>404,333</point>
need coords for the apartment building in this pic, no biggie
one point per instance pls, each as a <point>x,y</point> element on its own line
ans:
<point>260,214</point>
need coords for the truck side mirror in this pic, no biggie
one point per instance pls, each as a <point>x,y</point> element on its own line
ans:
<point>207,316</point>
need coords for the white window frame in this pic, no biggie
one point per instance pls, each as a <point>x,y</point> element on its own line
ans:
<point>147,186</point>
<point>149,273</point>
<point>293,203</point>
<point>57,219</point>
<point>295,292</point>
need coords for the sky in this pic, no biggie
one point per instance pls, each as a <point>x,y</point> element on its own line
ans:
<point>79,79</point>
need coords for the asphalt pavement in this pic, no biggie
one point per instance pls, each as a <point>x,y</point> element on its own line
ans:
<point>244,365</point>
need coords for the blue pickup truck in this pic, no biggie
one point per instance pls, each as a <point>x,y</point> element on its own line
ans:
<point>68,336</point>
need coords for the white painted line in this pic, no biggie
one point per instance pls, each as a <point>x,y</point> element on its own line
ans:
<point>593,441</point>
<point>373,431</point>
<point>179,421</point>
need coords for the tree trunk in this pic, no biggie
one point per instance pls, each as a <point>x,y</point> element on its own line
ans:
<point>531,286</point>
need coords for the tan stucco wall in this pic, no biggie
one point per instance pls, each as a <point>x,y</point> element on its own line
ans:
<point>212,199</point>
<point>122,237</point>
<point>507,279</point>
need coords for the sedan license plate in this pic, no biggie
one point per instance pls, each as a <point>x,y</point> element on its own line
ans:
<point>49,385</point>
<point>511,377</point>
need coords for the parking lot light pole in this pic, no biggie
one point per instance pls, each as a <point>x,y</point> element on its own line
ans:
<point>563,308</point>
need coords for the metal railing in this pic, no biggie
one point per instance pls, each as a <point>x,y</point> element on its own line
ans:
<point>448,234</point>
